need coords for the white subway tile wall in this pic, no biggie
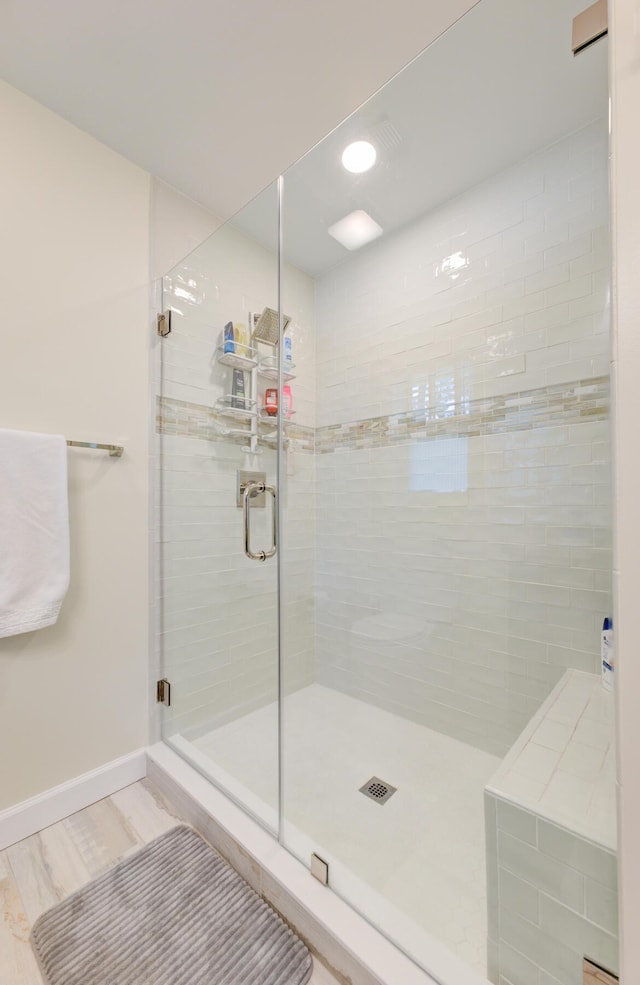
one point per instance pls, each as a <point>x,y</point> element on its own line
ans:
<point>461,572</point>
<point>446,551</point>
<point>450,308</point>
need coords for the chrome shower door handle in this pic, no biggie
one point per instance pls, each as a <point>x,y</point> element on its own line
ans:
<point>274,520</point>
<point>254,489</point>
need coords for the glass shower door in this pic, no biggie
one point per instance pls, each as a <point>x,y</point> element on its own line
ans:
<point>217,475</point>
<point>445,562</point>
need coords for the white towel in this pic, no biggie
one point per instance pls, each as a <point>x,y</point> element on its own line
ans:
<point>34,530</point>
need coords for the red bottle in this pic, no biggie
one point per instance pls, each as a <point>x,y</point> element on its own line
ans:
<point>271,401</point>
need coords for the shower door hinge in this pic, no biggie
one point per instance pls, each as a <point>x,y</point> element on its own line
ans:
<point>163,692</point>
<point>164,323</point>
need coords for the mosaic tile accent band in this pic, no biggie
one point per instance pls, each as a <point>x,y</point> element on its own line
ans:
<point>190,420</point>
<point>564,403</point>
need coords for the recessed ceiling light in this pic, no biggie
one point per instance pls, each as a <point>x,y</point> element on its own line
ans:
<point>355,230</point>
<point>359,156</point>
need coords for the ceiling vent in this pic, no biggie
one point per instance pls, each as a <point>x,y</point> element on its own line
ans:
<point>384,134</point>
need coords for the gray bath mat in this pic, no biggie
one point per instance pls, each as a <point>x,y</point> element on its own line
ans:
<point>175,913</point>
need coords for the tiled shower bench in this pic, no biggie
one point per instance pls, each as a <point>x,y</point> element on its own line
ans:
<point>550,820</point>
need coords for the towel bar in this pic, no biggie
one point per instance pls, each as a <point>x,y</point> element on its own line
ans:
<point>115,451</point>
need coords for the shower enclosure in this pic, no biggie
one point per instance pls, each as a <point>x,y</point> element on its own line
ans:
<point>385,504</point>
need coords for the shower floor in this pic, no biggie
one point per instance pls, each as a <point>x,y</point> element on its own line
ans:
<point>414,866</point>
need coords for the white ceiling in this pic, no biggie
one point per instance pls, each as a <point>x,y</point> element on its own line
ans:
<point>501,84</point>
<point>214,97</point>
<point>219,98</point>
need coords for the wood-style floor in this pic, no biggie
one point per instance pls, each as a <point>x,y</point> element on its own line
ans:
<point>41,870</point>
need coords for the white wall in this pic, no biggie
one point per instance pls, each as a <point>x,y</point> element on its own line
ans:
<point>74,262</point>
<point>625,167</point>
<point>463,472</point>
<point>177,226</point>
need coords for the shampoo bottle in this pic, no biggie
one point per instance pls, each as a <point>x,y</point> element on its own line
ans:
<point>607,654</point>
<point>237,390</point>
<point>287,401</point>
<point>228,338</point>
<point>240,333</point>
<point>271,401</point>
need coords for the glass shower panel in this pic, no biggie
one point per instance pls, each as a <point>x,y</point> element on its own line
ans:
<point>219,608</point>
<point>445,565</point>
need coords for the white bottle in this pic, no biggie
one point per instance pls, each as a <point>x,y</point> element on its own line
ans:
<point>288,350</point>
<point>607,652</point>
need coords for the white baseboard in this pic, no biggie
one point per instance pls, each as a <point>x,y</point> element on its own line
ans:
<point>53,805</point>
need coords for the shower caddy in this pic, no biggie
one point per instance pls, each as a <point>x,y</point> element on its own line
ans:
<point>263,427</point>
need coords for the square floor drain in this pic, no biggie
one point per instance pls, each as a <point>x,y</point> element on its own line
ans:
<point>378,790</point>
